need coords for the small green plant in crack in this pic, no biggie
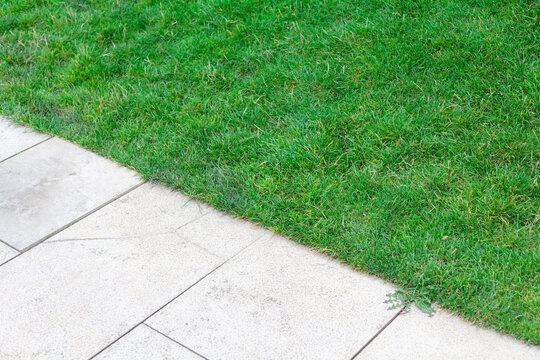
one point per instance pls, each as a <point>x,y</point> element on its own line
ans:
<point>405,298</point>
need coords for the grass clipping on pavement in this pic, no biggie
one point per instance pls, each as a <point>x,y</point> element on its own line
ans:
<point>401,137</point>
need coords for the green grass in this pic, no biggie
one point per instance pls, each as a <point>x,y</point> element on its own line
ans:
<point>401,137</point>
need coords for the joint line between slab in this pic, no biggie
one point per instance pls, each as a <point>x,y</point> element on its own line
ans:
<point>80,218</point>
<point>62,228</point>
<point>20,252</point>
<point>8,245</point>
<point>401,311</point>
<point>170,338</point>
<point>177,296</point>
<point>28,148</point>
<point>11,247</point>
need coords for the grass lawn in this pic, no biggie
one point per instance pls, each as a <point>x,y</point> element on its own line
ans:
<point>401,137</point>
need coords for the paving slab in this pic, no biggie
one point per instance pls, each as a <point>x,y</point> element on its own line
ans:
<point>143,343</point>
<point>277,300</point>
<point>415,335</point>
<point>15,138</point>
<point>80,290</point>
<point>52,184</point>
<point>6,253</point>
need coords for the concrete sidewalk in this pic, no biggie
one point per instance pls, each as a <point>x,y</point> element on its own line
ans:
<point>97,264</point>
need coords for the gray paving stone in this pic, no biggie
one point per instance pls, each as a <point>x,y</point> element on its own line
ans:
<point>6,253</point>
<point>80,290</point>
<point>143,343</point>
<point>417,336</point>
<point>277,300</point>
<point>15,138</point>
<point>52,184</point>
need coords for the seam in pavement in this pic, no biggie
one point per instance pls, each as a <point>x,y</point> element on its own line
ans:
<point>170,338</point>
<point>8,245</point>
<point>11,247</point>
<point>177,296</point>
<point>28,148</point>
<point>62,228</point>
<point>401,311</point>
<point>20,252</point>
